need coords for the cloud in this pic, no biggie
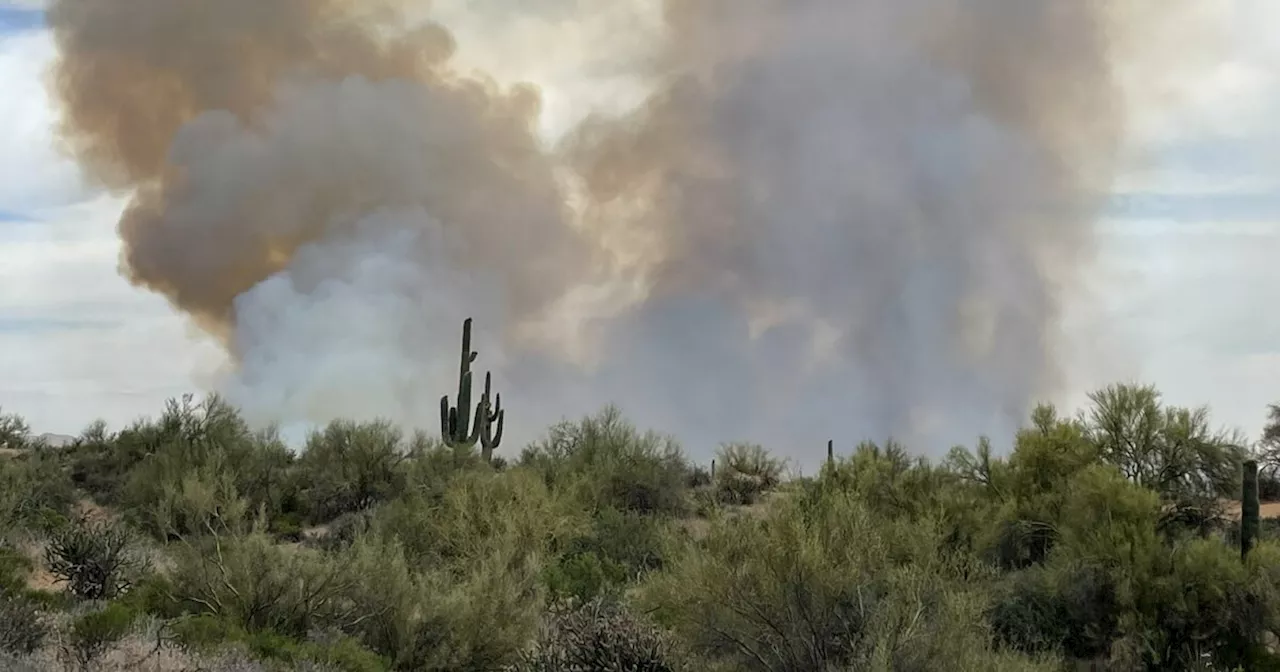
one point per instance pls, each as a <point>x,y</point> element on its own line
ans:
<point>33,174</point>
<point>76,341</point>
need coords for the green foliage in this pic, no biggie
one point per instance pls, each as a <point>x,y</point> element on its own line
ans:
<point>607,463</point>
<point>1098,538</point>
<point>95,632</point>
<point>1172,451</point>
<point>14,569</point>
<point>476,614</point>
<point>350,466</point>
<point>15,433</point>
<point>478,513</point>
<point>824,584</point>
<point>259,586</point>
<point>584,576</point>
<point>336,652</point>
<point>746,471</point>
<point>96,560</point>
<point>599,636</point>
<point>33,489</point>
<point>198,465</point>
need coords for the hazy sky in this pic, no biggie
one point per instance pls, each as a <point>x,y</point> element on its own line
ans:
<point>1179,297</point>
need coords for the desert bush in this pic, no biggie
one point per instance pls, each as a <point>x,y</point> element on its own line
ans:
<point>477,513</point>
<point>343,531</point>
<point>599,636</point>
<point>606,462</point>
<point>1069,610</point>
<point>474,615</point>
<point>745,472</point>
<point>1170,450</point>
<point>147,466</point>
<point>824,584</point>
<point>92,634</point>
<point>33,488</point>
<point>15,433</point>
<point>97,560</point>
<point>432,466</point>
<point>350,466</point>
<point>619,547</point>
<point>15,566</point>
<point>699,477</point>
<point>23,626</point>
<point>583,576</point>
<point>259,586</point>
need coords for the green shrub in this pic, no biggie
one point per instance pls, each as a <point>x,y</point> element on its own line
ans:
<point>340,652</point>
<point>625,544</point>
<point>584,576</point>
<point>94,633</point>
<point>15,567</point>
<point>259,586</point>
<point>160,472</point>
<point>606,462</point>
<point>478,513</point>
<point>33,487</point>
<point>349,466</point>
<point>203,632</point>
<point>824,584</point>
<point>475,615</point>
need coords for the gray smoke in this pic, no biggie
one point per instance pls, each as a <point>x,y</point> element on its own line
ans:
<point>830,218</point>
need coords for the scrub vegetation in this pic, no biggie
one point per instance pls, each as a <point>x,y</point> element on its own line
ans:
<point>1111,538</point>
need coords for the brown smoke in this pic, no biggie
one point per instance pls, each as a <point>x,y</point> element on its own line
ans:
<point>830,218</point>
<point>246,130</point>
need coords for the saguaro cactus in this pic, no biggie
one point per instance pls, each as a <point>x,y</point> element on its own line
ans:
<point>1249,509</point>
<point>454,425</point>
<point>831,452</point>
<point>489,439</point>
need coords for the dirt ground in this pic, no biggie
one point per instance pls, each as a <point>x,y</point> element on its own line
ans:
<point>1268,510</point>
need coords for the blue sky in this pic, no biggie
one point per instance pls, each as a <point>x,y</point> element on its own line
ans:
<point>1180,294</point>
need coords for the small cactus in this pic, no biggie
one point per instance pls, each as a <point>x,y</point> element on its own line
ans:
<point>1249,509</point>
<point>454,426</point>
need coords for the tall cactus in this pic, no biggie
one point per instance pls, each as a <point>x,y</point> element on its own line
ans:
<point>454,425</point>
<point>489,439</point>
<point>831,452</point>
<point>1249,509</point>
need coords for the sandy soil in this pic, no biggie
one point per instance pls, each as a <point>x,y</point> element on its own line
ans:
<point>1268,510</point>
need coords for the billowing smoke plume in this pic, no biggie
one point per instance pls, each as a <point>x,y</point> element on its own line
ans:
<point>831,218</point>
